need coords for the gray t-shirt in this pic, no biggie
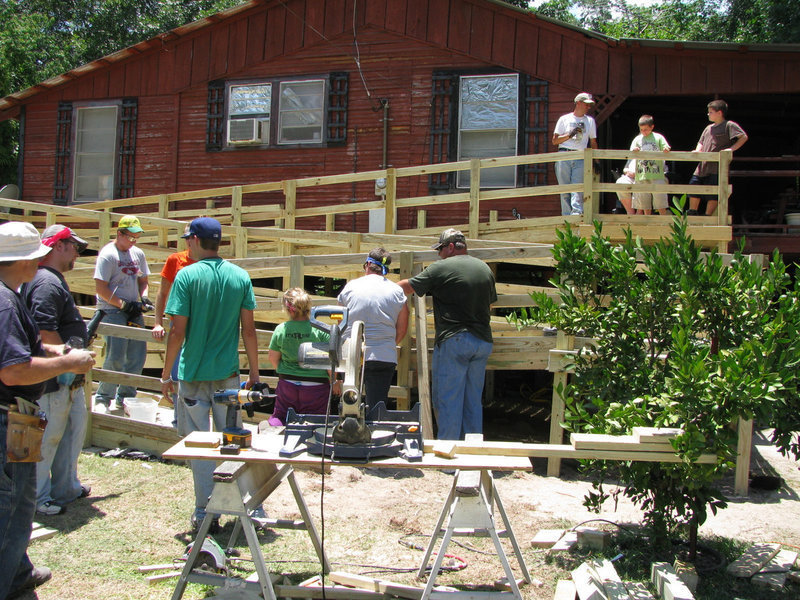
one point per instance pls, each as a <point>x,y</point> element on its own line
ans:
<point>377,302</point>
<point>121,270</point>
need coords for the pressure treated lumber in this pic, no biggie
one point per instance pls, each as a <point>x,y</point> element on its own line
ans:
<point>376,585</point>
<point>754,558</point>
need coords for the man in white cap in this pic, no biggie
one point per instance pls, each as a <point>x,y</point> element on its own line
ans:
<point>463,289</point>
<point>53,308</point>
<point>121,284</point>
<point>574,131</point>
<point>25,364</point>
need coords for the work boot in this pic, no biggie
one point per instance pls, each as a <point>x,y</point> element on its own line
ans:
<point>38,576</point>
<point>197,520</point>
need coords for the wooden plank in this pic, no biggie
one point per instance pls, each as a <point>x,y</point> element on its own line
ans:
<point>546,538</point>
<point>40,532</point>
<point>565,590</point>
<point>608,578</point>
<point>376,585</point>
<point>656,434</point>
<point>586,585</point>
<point>773,574</point>
<point>567,541</point>
<point>749,563</point>
<point>638,591</point>
<point>153,579</point>
<point>597,441</point>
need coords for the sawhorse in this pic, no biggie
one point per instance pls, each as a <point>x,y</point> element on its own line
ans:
<point>239,488</point>
<point>470,509</point>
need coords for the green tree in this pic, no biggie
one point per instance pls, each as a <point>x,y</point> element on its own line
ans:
<point>40,39</point>
<point>744,21</point>
<point>681,340</point>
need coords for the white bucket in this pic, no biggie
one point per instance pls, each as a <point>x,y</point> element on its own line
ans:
<point>793,219</point>
<point>141,409</point>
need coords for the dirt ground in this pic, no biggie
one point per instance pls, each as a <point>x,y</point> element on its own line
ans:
<point>370,512</point>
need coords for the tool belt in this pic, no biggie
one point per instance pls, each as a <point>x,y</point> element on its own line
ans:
<point>24,436</point>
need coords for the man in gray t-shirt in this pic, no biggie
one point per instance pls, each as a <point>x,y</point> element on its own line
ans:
<point>120,277</point>
<point>381,305</point>
<point>463,289</point>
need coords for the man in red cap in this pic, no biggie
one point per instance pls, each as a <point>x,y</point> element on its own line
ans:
<point>53,308</point>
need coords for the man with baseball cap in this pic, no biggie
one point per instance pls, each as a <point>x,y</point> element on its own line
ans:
<point>574,131</point>
<point>463,289</point>
<point>121,286</point>
<point>53,308</point>
<point>26,363</point>
<point>209,303</point>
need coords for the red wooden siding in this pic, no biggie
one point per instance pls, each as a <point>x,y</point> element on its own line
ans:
<point>401,43</point>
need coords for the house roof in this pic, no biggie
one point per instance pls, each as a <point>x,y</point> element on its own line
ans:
<point>545,47</point>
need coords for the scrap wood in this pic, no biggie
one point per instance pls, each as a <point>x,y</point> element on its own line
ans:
<point>151,579</point>
<point>656,434</point>
<point>161,567</point>
<point>445,448</point>
<point>332,593</point>
<point>630,443</point>
<point>545,538</point>
<point>376,585</point>
<point>586,585</point>
<point>607,576</point>
<point>568,540</point>
<point>754,558</point>
<point>638,591</point>
<point>774,573</point>
<point>667,583</point>
<point>502,584</point>
<point>565,590</point>
<point>40,532</point>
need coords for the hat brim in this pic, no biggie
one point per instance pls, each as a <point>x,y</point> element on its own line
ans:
<point>133,229</point>
<point>437,246</point>
<point>38,253</point>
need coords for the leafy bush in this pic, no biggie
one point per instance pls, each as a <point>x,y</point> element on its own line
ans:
<point>681,339</point>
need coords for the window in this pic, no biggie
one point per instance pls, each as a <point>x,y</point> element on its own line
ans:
<point>487,126</point>
<point>301,112</point>
<point>95,152</point>
<point>249,109</point>
<point>277,112</point>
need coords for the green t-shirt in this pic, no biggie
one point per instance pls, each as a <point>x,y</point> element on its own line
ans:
<point>462,287</point>
<point>211,293</point>
<point>287,339</point>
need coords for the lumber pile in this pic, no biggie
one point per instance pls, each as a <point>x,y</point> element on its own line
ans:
<point>766,565</point>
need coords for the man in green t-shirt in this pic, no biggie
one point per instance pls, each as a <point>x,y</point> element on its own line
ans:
<point>463,289</point>
<point>208,303</point>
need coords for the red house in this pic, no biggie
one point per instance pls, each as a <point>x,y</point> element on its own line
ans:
<point>280,89</point>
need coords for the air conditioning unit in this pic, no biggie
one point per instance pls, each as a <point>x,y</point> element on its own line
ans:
<point>243,131</point>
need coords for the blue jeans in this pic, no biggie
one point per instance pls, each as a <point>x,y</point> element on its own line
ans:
<point>17,505</point>
<point>198,405</point>
<point>459,368</point>
<point>122,355</point>
<point>57,473</point>
<point>570,171</point>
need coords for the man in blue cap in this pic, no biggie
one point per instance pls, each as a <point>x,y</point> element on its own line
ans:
<point>208,303</point>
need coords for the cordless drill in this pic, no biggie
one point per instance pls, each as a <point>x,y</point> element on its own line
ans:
<point>259,397</point>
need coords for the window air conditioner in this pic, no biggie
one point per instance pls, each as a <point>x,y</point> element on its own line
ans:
<point>243,131</point>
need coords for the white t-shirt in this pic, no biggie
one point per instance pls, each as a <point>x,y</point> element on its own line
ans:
<point>580,141</point>
<point>377,302</point>
<point>121,270</point>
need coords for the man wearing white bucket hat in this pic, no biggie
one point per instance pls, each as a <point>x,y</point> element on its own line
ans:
<point>53,308</point>
<point>24,368</point>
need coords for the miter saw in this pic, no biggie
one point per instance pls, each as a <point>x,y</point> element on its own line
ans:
<point>354,435</point>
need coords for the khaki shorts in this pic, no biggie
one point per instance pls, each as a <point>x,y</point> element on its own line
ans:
<point>648,201</point>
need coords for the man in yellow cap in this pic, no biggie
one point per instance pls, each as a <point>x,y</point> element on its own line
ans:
<point>120,277</point>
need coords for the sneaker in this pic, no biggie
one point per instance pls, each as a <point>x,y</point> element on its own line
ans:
<point>196,521</point>
<point>85,491</point>
<point>259,517</point>
<point>118,404</point>
<point>38,576</point>
<point>50,509</point>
